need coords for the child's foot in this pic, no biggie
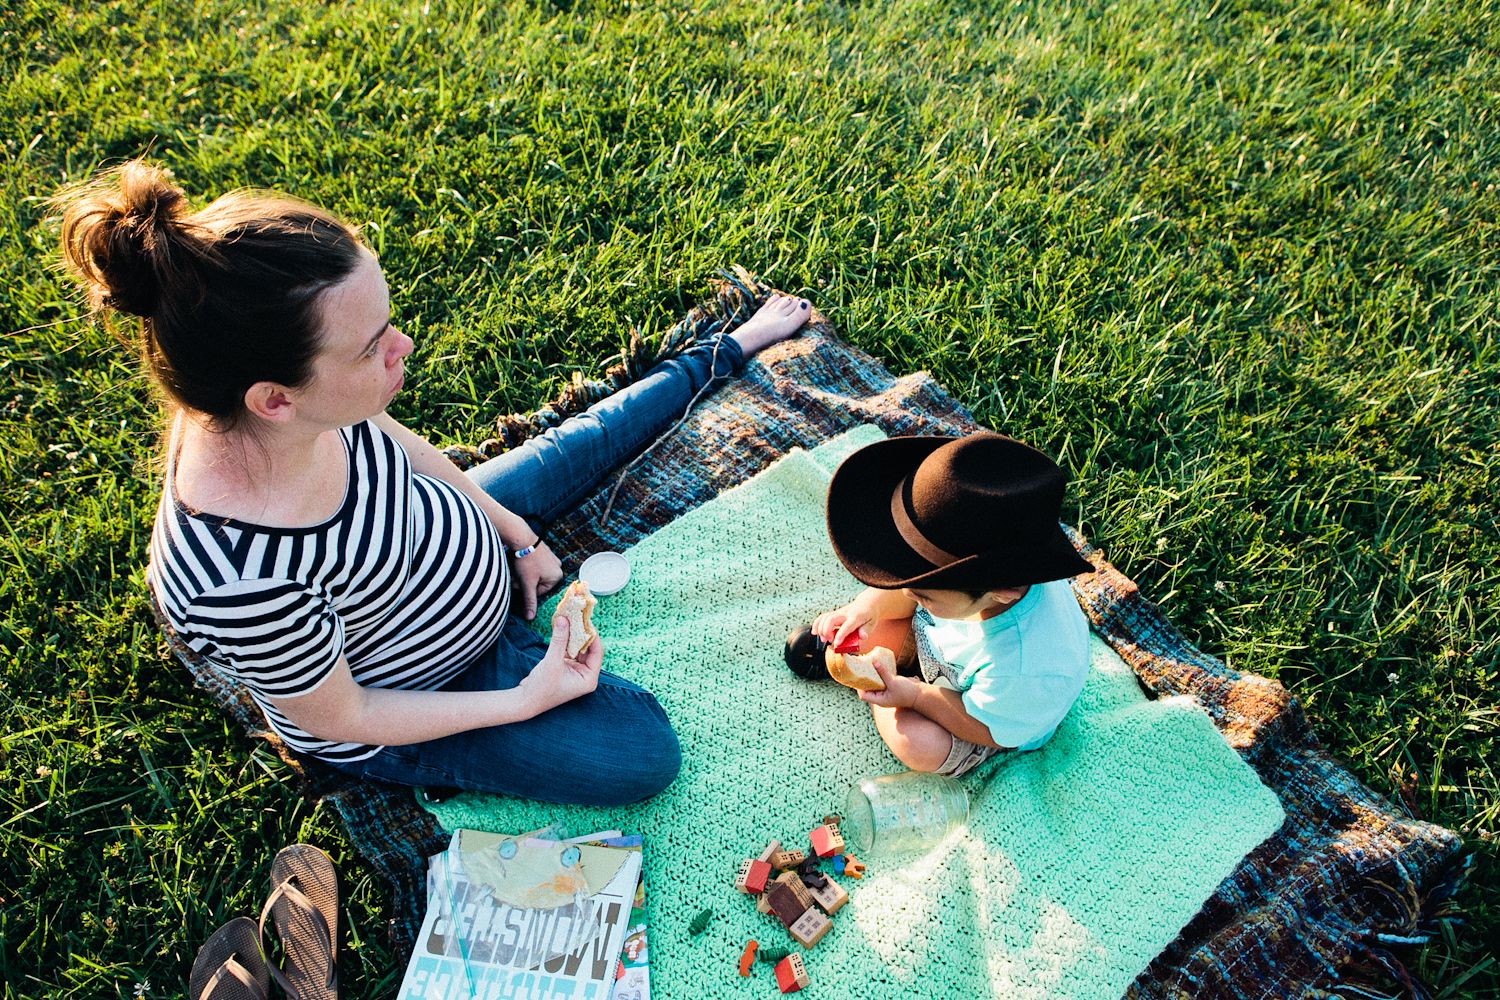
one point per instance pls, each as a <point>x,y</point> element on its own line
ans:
<point>778,319</point>
<point>804,654</point>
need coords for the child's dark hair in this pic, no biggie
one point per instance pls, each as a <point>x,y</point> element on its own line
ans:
<point>228,296</point>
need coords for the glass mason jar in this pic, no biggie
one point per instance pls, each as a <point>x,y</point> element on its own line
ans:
<point>903,813</point>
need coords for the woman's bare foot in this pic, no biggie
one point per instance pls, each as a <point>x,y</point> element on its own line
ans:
<point>778,319</point>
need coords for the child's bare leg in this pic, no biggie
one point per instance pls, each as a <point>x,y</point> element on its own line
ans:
<point>916,740</point>
<point>894,634</point>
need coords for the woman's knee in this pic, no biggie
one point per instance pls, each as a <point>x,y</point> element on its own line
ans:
<point>653,763</point>
<point>623,742</point>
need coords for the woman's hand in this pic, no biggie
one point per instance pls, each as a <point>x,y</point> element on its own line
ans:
<point>534,576</point>
<point>557,678</point>
<point>860,615</point>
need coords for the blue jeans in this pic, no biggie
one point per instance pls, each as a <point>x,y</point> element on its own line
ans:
<point>546,475</point>
<point>613,745</point>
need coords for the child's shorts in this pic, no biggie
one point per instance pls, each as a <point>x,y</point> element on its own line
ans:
<point>964,756</point>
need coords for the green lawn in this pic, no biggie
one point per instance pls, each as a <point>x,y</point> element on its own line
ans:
<point>1235,263</point>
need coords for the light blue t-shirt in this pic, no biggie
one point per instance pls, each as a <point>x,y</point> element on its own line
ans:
<point>1020,671</point>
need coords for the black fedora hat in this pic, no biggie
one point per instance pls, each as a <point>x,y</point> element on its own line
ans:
<point>972,513</point>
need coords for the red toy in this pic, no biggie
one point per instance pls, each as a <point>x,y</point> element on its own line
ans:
<point>827,840</point>
<point>752,876</point>
<point>850,643</point>
<point>791,974</point>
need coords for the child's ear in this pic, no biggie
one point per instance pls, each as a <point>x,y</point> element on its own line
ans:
<point>1007,595</point>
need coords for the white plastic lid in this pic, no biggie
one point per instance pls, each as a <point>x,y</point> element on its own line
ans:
<point>605,572</point>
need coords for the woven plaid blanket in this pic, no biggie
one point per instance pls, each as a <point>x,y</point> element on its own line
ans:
<point>1328,902</point>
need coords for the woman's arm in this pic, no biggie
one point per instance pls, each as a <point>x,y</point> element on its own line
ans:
<point>536,573</point>
<point>343,711</point>
<point>427,460</point>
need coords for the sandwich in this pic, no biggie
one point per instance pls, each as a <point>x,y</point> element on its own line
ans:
<point>858,671</point>
<point>577,606</point>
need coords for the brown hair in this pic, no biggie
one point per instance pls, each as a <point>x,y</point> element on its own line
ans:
<point>228,296</point>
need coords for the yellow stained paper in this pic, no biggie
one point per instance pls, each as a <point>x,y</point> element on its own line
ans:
<point>536,874</point>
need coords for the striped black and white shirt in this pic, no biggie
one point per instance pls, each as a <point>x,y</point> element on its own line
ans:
<point>407,581</point>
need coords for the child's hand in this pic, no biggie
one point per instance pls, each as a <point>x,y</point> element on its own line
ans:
<point>833,626</point>
<point>859,615</point>
<point>900,692</point>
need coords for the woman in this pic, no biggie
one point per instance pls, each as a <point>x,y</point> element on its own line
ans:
<point>331,559</point>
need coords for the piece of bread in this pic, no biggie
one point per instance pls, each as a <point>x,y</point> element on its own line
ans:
<point>577,606</point>
<point>858,671</point>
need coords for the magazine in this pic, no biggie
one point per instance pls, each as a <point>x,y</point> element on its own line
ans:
<point>506,920</point>
<point>633,975</point>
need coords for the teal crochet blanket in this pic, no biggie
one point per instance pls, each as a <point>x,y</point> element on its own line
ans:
<point>1060,886</point>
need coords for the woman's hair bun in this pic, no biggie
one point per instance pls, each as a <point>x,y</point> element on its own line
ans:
<point>125,235</point>
<point>231,294</point>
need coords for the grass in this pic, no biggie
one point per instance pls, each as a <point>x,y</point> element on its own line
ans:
<point>1235,263</point>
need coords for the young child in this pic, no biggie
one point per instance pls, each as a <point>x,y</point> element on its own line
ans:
<point>967,567</point>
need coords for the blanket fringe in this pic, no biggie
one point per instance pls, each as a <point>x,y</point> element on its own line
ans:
<point>737,294</point>
<point>1376,969</point>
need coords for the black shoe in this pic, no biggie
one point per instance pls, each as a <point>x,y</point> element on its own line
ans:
<point>804,654</point>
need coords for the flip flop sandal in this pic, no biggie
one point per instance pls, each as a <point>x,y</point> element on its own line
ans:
<point>304,904</point>
<point>231,965</point>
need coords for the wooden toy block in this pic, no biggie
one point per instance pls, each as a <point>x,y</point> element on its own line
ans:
<point>770,851</point>
<point>794,881</point>
<point>762,904</point>
<point>788,859</point>
<point>827,840</point>
<point>830,896</point>
<point>853,867</point>
<point>747,956</point>
<point>785,904</point>
<point>752,876</point>
<point>810,928</point>
<point>791,974</point>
